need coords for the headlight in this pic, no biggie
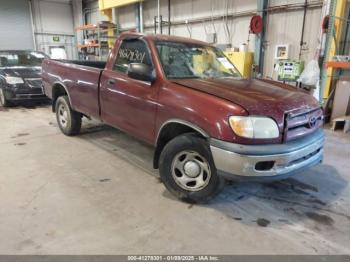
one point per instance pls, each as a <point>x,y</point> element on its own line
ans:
<point>254,126</point>
<point>12,80</point>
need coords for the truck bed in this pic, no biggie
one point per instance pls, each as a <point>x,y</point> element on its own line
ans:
<point>80,80</point>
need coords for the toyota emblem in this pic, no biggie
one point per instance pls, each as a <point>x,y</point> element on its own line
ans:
<point>312,122</point>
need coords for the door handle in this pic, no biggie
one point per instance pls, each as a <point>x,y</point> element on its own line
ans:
<point>111,81</point>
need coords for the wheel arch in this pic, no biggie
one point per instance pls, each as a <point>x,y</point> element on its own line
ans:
<point>59,89</point>
<point>171,129</point>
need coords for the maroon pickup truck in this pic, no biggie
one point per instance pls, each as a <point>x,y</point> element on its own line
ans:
<point>187,99</point>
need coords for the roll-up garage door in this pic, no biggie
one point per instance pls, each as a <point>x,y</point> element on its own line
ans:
<point>15,25</point>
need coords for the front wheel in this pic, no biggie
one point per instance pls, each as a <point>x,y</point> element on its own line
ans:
<point>188,171</point>
<point>69,121</point>
<point>3,101</point>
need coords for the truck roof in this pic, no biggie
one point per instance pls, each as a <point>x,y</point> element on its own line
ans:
<point>170,38</point>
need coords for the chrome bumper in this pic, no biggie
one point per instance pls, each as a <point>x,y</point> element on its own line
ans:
<point>267,161</point>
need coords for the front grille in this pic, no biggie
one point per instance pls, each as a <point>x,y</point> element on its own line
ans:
<point>302,122</point>
<point>33,82</point>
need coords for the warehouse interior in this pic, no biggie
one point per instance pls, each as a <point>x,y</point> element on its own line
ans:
<point>97,193</point>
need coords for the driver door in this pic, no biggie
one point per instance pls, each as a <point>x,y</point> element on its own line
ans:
<point>126,103</point>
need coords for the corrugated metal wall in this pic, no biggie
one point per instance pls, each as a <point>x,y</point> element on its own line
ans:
<point>283,27</point>
<point>16,27</point>
<point>54,19</point>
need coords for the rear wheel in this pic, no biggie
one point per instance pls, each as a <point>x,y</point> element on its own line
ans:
<point>188,171</point>
<point>69,121</point>
<point>3,101</point>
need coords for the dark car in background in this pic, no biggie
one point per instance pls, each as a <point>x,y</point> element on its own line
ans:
<point>20,76</point>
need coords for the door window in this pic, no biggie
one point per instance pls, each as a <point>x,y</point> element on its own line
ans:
<point>132,51</point>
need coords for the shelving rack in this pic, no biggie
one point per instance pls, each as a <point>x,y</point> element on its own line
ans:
<point>330,69</point>
<point>338,64</point>
<point>98,39</point>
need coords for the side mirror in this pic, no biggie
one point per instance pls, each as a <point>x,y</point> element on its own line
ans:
<point>141,72</point>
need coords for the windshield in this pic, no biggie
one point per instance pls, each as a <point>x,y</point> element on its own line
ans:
<point>20,58</point>
<point>183,60</point>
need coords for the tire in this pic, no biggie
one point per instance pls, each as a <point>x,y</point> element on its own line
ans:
<point>187,169</point>
<point>3,101</point>
<point>69,121</point>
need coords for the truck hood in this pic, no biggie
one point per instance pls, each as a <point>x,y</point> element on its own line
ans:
<point>258,97</point>
<point>24,72</point>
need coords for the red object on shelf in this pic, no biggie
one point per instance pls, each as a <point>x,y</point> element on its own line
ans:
<point>325,23</point>
<point>338,64</point>
<point>256,24</point>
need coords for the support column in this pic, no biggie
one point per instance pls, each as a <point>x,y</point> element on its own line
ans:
<point>139,17</point>
<point>262,6</point>
<point>159,19</point>
<point>77,7</point>
<point>335,27</point>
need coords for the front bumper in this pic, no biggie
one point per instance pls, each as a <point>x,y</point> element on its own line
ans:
<point>22,94</point>
<point>267,162</point>
<point>31,97</point>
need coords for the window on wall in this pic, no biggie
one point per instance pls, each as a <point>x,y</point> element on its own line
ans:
<point>132,51</point>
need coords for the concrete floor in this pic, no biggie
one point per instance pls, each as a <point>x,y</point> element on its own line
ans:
<point>97,194</point>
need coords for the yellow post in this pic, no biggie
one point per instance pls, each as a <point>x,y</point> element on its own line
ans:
<point>338,27</point>
<point>108,4</point>
<point>110,33</point>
